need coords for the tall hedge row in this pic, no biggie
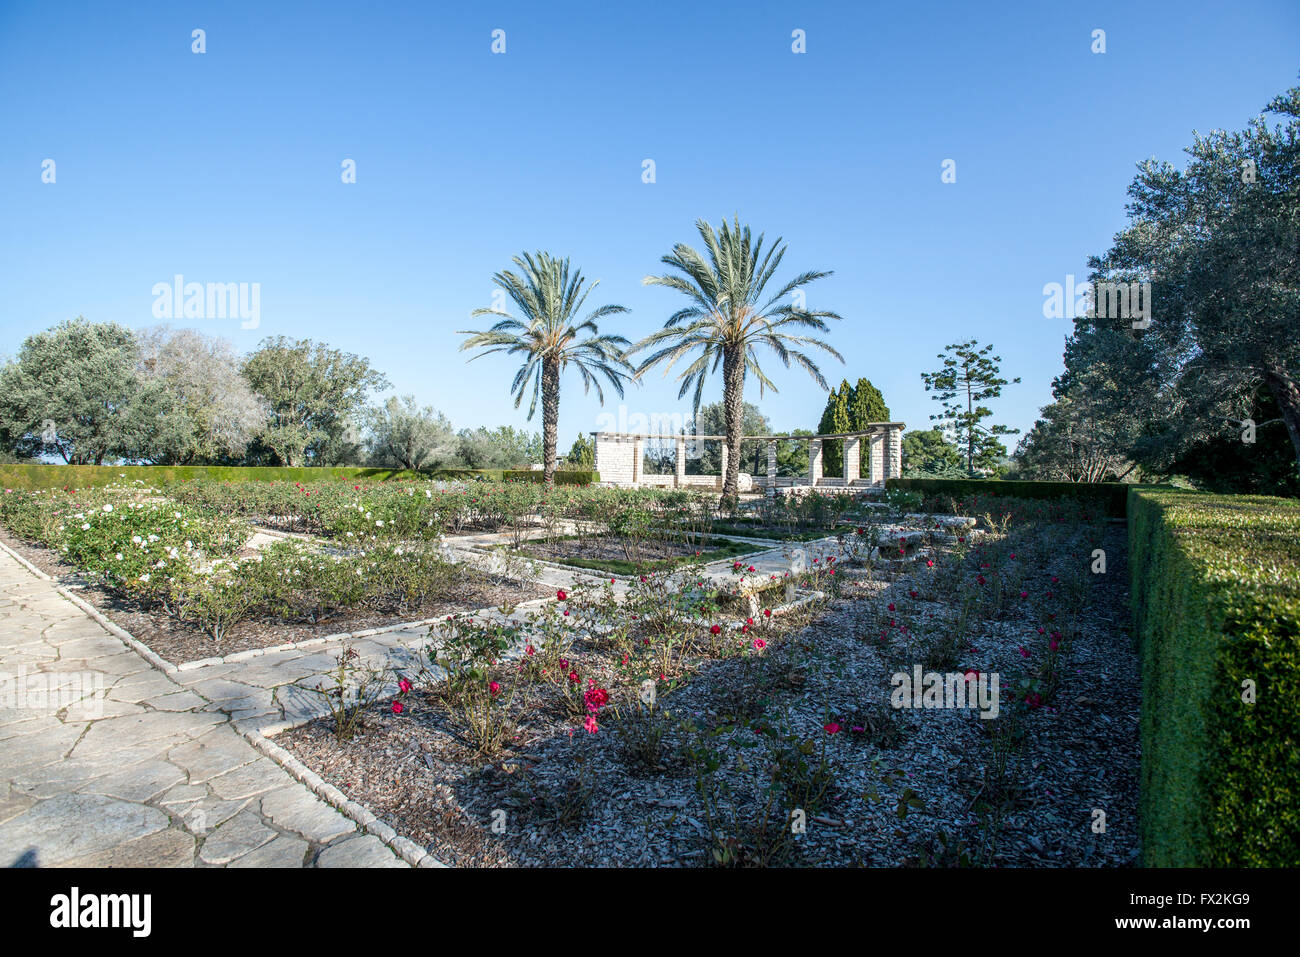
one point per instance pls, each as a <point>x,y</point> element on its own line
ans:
<point>1112,496</point>
<point>1216,603</point>
<point>89,476</point>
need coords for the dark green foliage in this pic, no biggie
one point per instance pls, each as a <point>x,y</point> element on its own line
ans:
<point>1216,239</point>
<point>313,392</point>
<point>74,391</point>
<point>970,377</point>
<point>849,409</point>
<point>1227,464</point>
<point>1216,602</point>
<point>929,452</point>
<point>1110,496</point>
<point>583,453</point>
<point>93,476</point>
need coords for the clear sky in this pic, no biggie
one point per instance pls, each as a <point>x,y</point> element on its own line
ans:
<point>226,166</point>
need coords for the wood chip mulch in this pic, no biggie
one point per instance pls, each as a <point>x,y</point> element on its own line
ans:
<point>906,789</point>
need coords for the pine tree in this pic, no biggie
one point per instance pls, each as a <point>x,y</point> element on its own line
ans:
<point>970,376</point>
<point>835,419</point>
<point>849,409</point>
<point>867,405</point>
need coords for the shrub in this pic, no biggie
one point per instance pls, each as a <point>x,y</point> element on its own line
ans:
<point>1216,602</point>
<point>94,476</point>
<point>562,476</point>
<point>1112,496</point>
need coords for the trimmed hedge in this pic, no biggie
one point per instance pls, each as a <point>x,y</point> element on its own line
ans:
<point>1112,496</point>
<point>91,476</point>
<point>562,477</point>
<point>1216,602</point>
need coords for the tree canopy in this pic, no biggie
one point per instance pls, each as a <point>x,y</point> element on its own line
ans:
<point>314,392</point>
<point>849,409</point>
<point>76,392</point>
<point>1214,358</point>
<point>969,377</point>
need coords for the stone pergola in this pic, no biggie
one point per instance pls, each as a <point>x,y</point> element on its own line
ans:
<point>620,459</point>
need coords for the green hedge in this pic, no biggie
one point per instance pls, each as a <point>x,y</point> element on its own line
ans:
<point>1112,496</point>
<point>1216,602</point>
<point>562,477</point>
<point>89,476</point>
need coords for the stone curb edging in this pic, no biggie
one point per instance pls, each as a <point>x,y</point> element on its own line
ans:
<point>365,819</point>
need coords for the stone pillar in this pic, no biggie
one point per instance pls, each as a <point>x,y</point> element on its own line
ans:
<point>638,459</point>
<point>814,461</point>
<point>771,470</point>
<point>851,454</point>
<point>614,459</point>
<point>896,452</point>
<point>722,475</point>
<point>679,476</point>
<point>876,458</point>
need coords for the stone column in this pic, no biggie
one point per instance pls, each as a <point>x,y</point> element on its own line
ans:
<point>851,454</point>
<point>679,476</point>
<point>638,459</point>
<point>814,461</point>
<point>896,452</point>
<point>771,470</point>
<point>876,458</point>
<point>722,475</point>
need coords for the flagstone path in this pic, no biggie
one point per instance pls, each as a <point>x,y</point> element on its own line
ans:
<point>153,774</point>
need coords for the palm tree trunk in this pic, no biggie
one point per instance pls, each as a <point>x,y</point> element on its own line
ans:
<point>550,416</point>
<point>733,395</point>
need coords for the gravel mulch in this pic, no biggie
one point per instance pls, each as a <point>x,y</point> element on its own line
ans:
<point>904,787</point>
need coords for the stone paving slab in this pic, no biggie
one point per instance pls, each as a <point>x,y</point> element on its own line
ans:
<point>144,770</point>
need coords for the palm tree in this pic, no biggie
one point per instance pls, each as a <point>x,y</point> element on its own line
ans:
<point>725,323</point>
<point>551,338</point>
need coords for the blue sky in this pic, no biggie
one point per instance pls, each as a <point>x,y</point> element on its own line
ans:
<point>225,167</point>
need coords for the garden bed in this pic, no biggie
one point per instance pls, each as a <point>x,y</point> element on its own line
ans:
<point>181,641</point>
<point>757,529</point>
<point>607,554</point>
<point>752,722</point>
